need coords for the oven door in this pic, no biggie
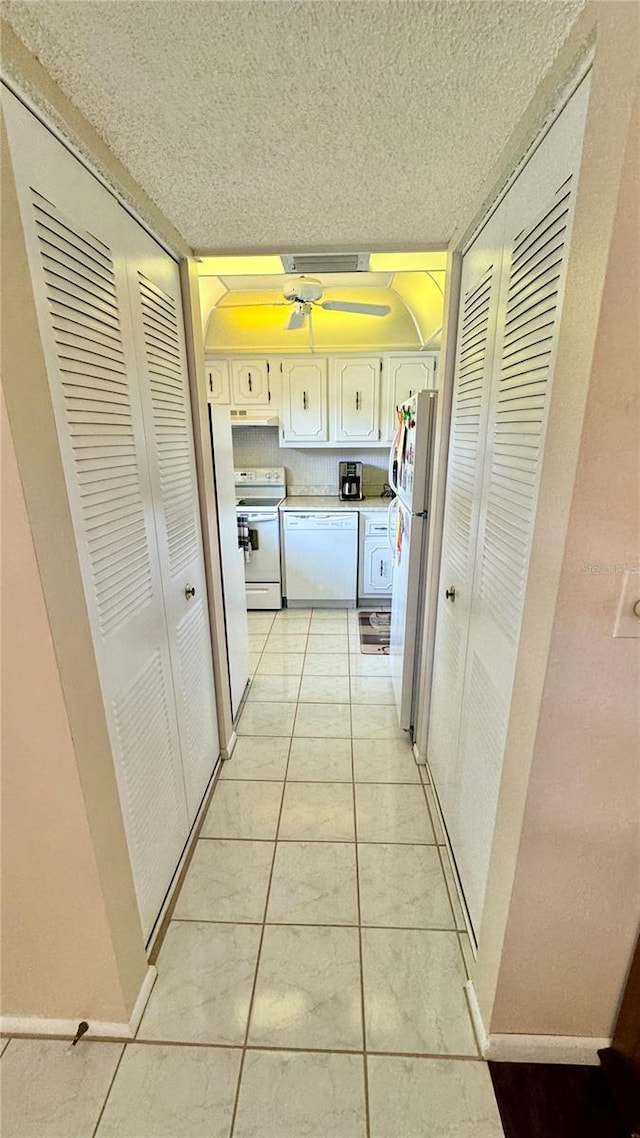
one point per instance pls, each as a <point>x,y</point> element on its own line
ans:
<point>264,564</point>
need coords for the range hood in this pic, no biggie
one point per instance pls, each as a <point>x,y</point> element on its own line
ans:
<point>242,418</point>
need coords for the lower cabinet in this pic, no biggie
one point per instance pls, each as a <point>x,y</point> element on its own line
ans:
<point>376,559</point>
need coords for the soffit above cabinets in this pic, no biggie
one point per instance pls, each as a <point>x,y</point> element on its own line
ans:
<point>415,301</point>
<point>329,123</point>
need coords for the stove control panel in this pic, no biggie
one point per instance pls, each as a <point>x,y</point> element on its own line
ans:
<point>260,476</point>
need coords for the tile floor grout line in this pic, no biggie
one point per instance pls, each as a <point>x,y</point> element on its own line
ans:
<point>206,1046</point>
<point>365,1069</point>
<point>261,941</point>
<point>109,1090</point>
<point>317,924</point>
<point>318,841</point>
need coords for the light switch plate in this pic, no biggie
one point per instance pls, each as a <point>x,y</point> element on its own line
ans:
<point>627,623</point>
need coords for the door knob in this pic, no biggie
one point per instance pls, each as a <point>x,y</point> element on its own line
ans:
<point>451,593</point>
<point>189,591</point>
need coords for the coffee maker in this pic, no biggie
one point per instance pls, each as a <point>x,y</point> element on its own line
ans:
<point>350,481</point>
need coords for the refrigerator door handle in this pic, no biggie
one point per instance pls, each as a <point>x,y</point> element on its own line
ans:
<point>393,461</point>
<point>391,540</point>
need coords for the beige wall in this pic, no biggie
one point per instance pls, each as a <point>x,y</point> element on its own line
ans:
<point>57,954</point>
<point>576,894</point>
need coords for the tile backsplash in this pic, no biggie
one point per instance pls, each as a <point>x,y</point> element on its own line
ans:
<point>307,471</point>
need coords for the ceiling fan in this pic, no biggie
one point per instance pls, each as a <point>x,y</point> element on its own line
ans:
<point>304,294</point>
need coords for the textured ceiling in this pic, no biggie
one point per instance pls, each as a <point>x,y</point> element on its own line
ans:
<point>321,124</point>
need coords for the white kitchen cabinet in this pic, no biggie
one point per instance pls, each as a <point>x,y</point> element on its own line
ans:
<point>376,559</point>
<point>355,399</point>
<point>218,387</point>
<point>304,400</point>
<point>250,382</point>
<point>403,376</point>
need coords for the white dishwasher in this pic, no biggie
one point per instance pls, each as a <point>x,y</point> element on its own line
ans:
<point>321,557</point>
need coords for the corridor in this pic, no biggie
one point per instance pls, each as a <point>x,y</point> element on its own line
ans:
<point>311,978</point>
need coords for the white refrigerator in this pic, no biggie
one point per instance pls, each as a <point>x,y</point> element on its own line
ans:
<point>410,471</point>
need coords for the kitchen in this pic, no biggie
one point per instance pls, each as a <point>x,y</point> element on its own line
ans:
<point>305,372</point>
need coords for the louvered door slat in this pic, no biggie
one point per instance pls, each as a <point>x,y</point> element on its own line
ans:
<point>161,348</point>
<point>76,237</point>
<point>523,367</point>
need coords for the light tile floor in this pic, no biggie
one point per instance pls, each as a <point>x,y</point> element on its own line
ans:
<point>311,978</point>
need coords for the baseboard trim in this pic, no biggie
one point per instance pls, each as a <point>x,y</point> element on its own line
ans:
<point>564,1049</point>
<point>98,1029</point>
<point>226,752</point>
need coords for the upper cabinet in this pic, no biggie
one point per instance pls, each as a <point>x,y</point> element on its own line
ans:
<point>323,401</point>
<point>403,376</point>
<point>218,390</point>
<point>355,399</point>
<point>249,382</point>
<point>304,400</point>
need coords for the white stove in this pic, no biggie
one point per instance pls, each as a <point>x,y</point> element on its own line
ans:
<point>259,492</point>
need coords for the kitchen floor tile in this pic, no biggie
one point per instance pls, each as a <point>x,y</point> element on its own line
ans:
<point>392,814</point>
<point>323,721</point>
<point>320,760</point>
<point>329,613</point>
<point>166,1092</point>
<point>267,719</point>
<point>290,1095</point>
<point>327,645</point>
<point>257,641</point>
<point>280,664</point>
<point>376,722</point>
<point>286,642</point>
<point>254,660</point>
<point>48,1092</point>
<point>328,627</point>
<point>295,624</point>
<point>324,689</point>
<point>372,689</point>
<point>259,622</point>
<point>308,989</point>
<point>255,758</point>
<point>384,760</point>
<point>403,887</point>
<point>273,689</point>
<point>316,811</point>
<point>293,614</point>
<point>454,1095</point>
<point>362,665</point>
<point>321,665</point>
<point>314,883</point>
<point>203,990</point>
<point>414,993</point>
<point>225,881</point>
<point>243,810</point>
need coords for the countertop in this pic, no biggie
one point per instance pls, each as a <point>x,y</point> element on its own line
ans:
<point>330,502</point>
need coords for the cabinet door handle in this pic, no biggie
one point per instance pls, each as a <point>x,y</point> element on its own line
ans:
<point>450,594</point>
<point>189,591</point>
<point>357,400</point>
<point>304,400</point>
<point>382,568</point>
<point>250,383</point>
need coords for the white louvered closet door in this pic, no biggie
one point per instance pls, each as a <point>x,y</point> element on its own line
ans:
<point>74,232</point>
<point>154,286</point>
<point>470,407</point>
<point>538,220</point>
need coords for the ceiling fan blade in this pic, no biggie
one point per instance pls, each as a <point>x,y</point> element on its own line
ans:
<point>349,306</point>
<point>296,320</point>
<point>258,304</point>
